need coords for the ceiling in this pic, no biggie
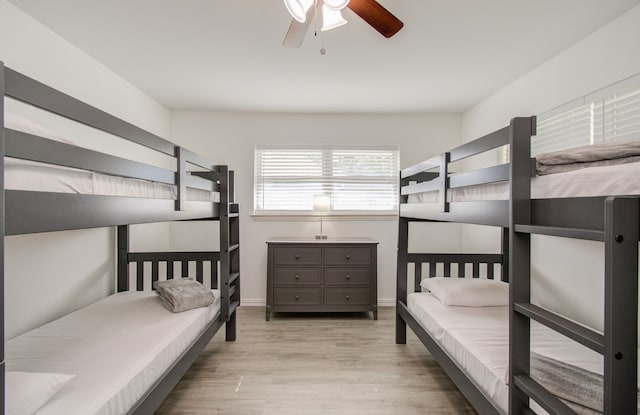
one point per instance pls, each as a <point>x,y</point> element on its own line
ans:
<point>227,55</point>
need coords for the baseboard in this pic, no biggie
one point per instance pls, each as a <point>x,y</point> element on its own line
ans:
<point>257,302</point>
<point>386,302</point>
<point>253,302</point>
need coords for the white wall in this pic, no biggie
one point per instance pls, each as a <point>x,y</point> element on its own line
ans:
<point>567,274</point>
<point>231,138</point>
<point>48,275</point>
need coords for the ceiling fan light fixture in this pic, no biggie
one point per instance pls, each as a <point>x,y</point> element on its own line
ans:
<point>298,8</point>
<point>336,4</point>
<point>331,18</point>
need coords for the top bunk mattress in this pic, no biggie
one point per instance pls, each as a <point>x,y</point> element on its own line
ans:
<point>23,175</point>
<point>621,179</point>
<point>117,348</point>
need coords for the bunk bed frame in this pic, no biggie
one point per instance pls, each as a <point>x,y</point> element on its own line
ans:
<point>25,212</point>
<point>612,220</point>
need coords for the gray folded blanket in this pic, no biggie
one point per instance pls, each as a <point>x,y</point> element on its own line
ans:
<point>183,294</point>
<point>579,388</point>
<point>588,156</point>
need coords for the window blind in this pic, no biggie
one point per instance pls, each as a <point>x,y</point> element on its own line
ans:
<point>356,179</point>
<point>609,114</point>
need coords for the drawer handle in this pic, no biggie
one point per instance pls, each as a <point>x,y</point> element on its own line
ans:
<point>297,297</point>
<point>346,297</point>
<point>347,256</point>
<point>347,276</point>
<point>297,256</point>
<point>297,276</point>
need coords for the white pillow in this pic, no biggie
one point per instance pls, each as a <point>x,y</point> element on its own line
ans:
<point>469,292</point>
<point>28,391</point>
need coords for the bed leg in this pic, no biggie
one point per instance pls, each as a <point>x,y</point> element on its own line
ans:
<point>401,330</point>
<point>230,328</point>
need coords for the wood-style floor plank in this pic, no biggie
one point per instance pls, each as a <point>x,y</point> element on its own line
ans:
<point>315,364</point>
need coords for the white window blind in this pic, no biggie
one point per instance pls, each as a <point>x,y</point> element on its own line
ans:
<point>610,114</point>
<point>358,180</point>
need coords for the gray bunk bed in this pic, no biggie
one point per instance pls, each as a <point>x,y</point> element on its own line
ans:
<point>613,220</point>
<point>28,211</point>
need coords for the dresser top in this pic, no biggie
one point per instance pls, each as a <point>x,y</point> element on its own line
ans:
<point>311,240</point>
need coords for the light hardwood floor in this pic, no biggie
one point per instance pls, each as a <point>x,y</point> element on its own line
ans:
<point>329,364</point>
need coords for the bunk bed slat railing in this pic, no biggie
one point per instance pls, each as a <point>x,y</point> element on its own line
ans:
<point>30,147</point>
<point>185,259</point>
<point>450,261</point>
<point>488,142</point>
<point>486,175</point>
<point>574,331</point>
<point>547,400</point>
<point>22,88</point>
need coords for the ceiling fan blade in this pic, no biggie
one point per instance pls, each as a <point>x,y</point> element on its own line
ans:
<point>377,16</point>
<point>297,31</point>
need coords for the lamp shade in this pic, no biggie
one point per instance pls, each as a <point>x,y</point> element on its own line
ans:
<point>331,18</point>
<point>321,203</point>
<point>336,4</point>
<point>298,8</point>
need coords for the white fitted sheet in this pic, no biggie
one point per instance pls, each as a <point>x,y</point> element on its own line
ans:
<point>44,178</point>
<point>477,338</point>
<point>619,179</point>
<point>117,348</point>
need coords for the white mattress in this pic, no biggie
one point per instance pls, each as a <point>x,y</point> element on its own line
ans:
<point>44,178</point>
<point>619,179</point>
<point>116,348</point>
<point>477,338</point>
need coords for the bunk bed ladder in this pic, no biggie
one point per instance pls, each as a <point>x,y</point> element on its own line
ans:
<point>618,344</point>
<point>229,251</point>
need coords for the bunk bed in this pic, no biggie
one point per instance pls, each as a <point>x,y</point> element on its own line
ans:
<point>158,346</point>
<point>488,351</point>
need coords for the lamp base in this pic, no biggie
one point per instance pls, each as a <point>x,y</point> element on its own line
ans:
<point>321,236</point>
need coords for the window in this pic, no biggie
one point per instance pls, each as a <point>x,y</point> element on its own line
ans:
<point>610,114</point>
<point>359,180</point>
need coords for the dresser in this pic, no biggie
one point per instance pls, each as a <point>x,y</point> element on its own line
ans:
<point>331,275</point>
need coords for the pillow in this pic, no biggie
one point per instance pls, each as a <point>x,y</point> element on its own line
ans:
<point>183,294</point>
<point>28,391</point>
<point>468,292</point>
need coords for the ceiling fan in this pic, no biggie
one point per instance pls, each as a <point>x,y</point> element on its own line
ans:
<point>328,12</point>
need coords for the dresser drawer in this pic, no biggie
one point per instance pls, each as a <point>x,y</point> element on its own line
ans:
<point>298,276</point>
<point>346,296</point>
<point>347,276</point>
<point>295,296</point>
<point>347,256</point>
<point>290,255</point>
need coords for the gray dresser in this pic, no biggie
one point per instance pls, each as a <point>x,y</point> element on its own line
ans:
<point>331,275</point>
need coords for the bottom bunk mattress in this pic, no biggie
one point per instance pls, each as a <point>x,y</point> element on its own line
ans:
<point>115,349</point>
<point>477,339</point>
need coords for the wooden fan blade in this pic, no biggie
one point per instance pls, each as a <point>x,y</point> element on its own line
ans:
<point>377,16</point>
<point>297,31</point>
